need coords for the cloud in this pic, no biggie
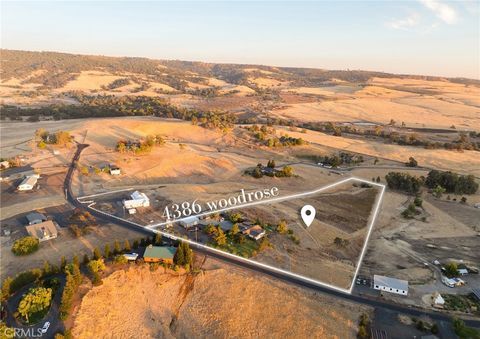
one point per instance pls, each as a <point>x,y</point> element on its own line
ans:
<point>443,11</point>
<point>408,22</point>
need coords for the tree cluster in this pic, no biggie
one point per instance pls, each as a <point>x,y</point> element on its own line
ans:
<point>404,182</point>
<point>452,182</point>
<point>36,300</point>
<point>183,255</point>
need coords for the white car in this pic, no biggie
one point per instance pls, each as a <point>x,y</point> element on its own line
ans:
<point>45,327</point>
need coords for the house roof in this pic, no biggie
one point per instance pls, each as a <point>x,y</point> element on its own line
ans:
<point>139,196</point>
<point>254,230</point>
<point>34,216</point>
<point>39,230</point>
<point>390,282</point>
<point>30,180</point>
<point>190,220</point>
<point>161,252</point>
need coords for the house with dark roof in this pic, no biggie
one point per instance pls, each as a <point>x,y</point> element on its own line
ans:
<point>35,218</point>
<point>162,254</point>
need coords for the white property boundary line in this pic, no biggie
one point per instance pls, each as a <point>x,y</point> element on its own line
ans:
<point>256,263</point>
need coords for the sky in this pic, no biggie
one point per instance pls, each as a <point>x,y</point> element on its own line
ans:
<point>429,37</point>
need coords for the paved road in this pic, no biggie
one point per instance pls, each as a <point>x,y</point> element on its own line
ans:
<point>377,303</point>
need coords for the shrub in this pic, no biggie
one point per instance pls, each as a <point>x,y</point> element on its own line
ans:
<point>24,246</point>
<point>120,259</point>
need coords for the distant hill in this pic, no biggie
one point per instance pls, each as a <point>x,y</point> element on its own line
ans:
<point>56,69</point>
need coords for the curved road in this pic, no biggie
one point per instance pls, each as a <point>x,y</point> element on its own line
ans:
<point>377,303</point>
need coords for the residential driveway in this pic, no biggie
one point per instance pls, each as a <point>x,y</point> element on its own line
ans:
<point>56,325</point>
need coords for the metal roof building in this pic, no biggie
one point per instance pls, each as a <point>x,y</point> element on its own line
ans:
<point>391,285</point>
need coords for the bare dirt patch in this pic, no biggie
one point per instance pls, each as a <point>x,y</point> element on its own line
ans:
<point>222,301</point>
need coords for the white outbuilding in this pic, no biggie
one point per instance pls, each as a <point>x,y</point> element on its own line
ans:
<point>438,300</point>
<point>138,200</point>
<point>390,285</point>
<point>28,183</point>
<point>189,221</point>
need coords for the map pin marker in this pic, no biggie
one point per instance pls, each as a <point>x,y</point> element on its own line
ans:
<point>308,214</point>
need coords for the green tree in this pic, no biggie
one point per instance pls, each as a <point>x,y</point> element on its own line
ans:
<point>179,256</point>
<point>234,230</point>
<point>411,162</point>
<point>46,268</point>
<point>67,296</point>
<point>418,202</point>
<point>74,270</point>
<point>76,261</point>
<point>25,245</point>
<point>63,262</point>
<point>187,254</point>
<point>96,254</point>
<point>257,173</point>
<point>117,249</point>
<point>126,246</point>
<point>120,259</point>
<point>287,171</point>
<point>438,191</point>
<point>282,227</point>
<point>451,269</point>
<point>362,332</point>
<point>6,286</point>
<point>95,267</point>
<point>220,238</point>
<point>86,259</point>
<point>36,300</point>
<point>264,244</point>
<point>135,244</point>
<point>158,239</point>
<point>107,252</point>
<point>235,217</point>
<point>271,164</point>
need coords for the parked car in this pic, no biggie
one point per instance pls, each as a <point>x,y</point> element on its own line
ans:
<point>45,327</point>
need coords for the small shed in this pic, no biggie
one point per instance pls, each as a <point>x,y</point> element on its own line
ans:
<point>438,300</point>
<point>28,183</point>
<point>114,170</point>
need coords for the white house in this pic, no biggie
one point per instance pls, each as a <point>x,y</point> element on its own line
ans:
<point>28,183</point>
<point>391,285</point>
<point>138,200</point>
<point>115,170</point>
